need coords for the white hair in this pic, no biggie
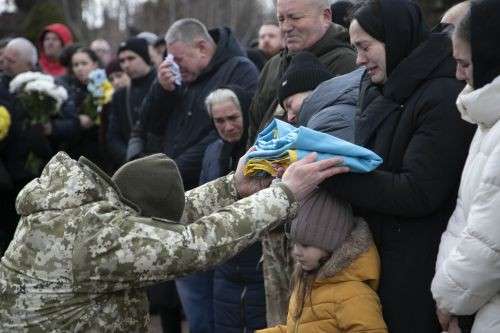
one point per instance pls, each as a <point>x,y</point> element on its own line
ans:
<point>25,49</point>
<point>220,96</point>
<point>186,31</point>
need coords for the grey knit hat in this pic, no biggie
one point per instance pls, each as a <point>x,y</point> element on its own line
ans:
<point>322,221</point>
<point>154,184</point>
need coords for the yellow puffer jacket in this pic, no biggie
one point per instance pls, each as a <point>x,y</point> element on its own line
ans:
<point>343,297</point>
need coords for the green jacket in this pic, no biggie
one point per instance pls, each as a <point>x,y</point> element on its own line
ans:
<point>333,50</point>
<point>82,256</point>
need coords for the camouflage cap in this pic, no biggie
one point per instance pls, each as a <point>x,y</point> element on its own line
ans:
<point>154,184</point>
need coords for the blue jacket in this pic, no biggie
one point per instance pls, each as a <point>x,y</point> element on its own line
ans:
<point>332,106</point>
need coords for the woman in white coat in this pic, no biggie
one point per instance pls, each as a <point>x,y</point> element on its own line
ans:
<point>467,280</point>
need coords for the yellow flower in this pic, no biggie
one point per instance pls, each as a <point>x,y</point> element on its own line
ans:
<point>108,91</point>
<point>4,122</point>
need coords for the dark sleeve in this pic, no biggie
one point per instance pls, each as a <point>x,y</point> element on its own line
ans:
<point>343,61</point>
<point>245,75</point>
<point>189,162</point>
<point>117,147</point>
<point>430,169</point>
<point>157,105</point>
<point>65,127</point>
<point>259,105</point>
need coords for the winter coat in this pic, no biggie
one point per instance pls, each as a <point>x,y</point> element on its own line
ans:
<point>125,114</point>
<point>238,286</point>
<point>81,141</point>
<point>177,123</point>
<point>82,254</point>
<point>343,297</point>
<point>413,124</point>
<point>52,66</point>
<point>333,50</point>
<point>468,266</point>
<point>332,106</point>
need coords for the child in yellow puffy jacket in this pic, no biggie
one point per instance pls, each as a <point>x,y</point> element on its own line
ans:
<point>337,271</point>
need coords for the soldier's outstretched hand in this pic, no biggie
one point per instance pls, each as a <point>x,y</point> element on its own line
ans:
<point>303,176</point>
<point>247,185</point>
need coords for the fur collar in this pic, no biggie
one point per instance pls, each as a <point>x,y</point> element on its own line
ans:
<point>355,244</point>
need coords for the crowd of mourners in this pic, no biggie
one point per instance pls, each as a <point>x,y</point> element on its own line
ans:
<point>412,246</point>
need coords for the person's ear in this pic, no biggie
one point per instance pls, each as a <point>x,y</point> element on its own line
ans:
<point>202,46</point>
<point>327,14</point>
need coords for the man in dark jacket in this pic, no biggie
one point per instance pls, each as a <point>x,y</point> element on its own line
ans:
<point>134,59</point>
<point>408,116</point>
<point>173,116</point>
<point>306,25</point>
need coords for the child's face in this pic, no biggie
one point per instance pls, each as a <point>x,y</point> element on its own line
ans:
<point>308,256</point>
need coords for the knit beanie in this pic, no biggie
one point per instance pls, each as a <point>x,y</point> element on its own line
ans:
<point>322,221</point>
<point>138,46</point>
<point>154,184</point>
<point>304,73</point>
<point>113,67</point>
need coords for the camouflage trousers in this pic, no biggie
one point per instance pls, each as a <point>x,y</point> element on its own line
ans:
<point>277,268</point>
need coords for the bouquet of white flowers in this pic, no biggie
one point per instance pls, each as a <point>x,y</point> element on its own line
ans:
<point>39,95</point>
<point>42,98</point>
<point>101,93</point>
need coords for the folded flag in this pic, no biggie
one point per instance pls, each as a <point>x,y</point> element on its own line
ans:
<point>281,144</point>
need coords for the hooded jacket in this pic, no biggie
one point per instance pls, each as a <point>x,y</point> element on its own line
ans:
<point>238,284</point>
<point>467,269</point>
<point>343,297</point>
<point>82,254</point>
<point>333,50</point>
<point>124,115</point>
<point>177,123</point>
<point>412,123</point>
<point>52,66</point>
<point>332,106</point>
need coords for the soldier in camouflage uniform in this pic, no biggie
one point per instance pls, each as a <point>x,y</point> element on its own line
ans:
<point>83,251</point>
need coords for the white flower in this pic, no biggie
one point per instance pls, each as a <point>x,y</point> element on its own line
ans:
<point>48,88</point>
<point>20,80</point>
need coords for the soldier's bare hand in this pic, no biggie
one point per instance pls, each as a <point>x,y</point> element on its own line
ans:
<point>166,77</point>
<point>303,176</point>
<point>246,185</point>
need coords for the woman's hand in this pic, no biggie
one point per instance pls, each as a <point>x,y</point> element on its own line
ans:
<point>85,121</point>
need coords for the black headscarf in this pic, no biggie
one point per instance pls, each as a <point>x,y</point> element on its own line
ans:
<point>485,45</point>
<point>231,152</point>
<point>399,24</point>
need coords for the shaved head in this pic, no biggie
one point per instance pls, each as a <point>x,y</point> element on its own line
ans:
<point>455,14</point>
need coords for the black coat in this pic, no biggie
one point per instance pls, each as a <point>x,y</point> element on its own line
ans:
<point>413,123</point>
<point>177,123</point>
<point>124,114</point>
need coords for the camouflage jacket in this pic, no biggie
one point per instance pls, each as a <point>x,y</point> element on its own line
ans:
<point>82,255</point>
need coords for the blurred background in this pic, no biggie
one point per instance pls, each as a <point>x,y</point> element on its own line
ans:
<point>115,20</point>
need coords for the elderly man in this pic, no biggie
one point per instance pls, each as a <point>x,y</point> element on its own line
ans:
<point>306,25</point>
<point>87,244</point>
<point>173,116</point>
<point>20,56</point>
